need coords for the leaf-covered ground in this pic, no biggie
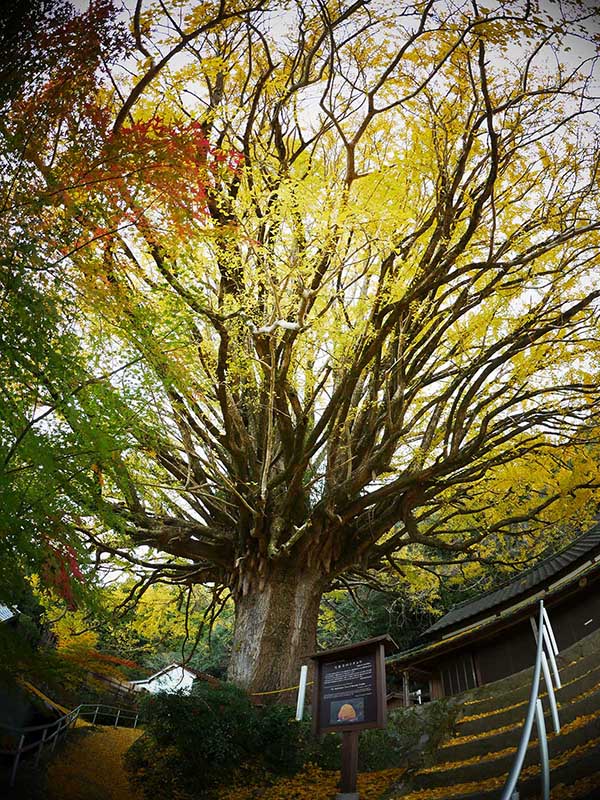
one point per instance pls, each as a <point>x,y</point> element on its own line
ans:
<point>313,783</point>
<point>90,767</point>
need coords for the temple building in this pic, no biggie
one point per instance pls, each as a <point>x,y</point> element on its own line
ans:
<point>490,637</point>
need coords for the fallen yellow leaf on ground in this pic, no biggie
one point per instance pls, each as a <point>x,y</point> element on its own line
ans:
<point>313,783</point>
<point>90,767</point>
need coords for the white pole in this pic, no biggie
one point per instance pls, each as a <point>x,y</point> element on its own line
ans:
<point>541,727</point>
<point>550,690</point>
<point>550,632</point>
<point>534,628</point>
<point>515,770</point>
<point>550,650</point>
<point>301,692</point>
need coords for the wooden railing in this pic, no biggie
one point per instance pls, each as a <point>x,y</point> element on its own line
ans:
<point>37,737</point>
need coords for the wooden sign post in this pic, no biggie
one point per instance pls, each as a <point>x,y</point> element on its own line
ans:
<point>349,696</point>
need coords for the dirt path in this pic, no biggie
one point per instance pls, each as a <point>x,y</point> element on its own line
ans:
<point>90,767</point>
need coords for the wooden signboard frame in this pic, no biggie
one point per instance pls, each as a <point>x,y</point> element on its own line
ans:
<point>362,678</point>
<point>349,696</point>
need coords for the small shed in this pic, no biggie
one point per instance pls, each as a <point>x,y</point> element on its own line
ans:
<point>489,637</point>
<point>174,678</point>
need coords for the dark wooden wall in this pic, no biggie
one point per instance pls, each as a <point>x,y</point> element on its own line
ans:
<point>513,648</point>
<point>576,616</point>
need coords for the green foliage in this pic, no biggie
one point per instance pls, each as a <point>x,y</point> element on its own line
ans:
<point>412,736</point>
<point>194,743</point>
<point>19,640</point>
<point>156,769</point>
<point>21,656</point>
<point>401,612</point>
<point>283,740</point>
<point>55,427</point>
<point>155,632</point>
<point>191,742</point>
<point>22,60</point>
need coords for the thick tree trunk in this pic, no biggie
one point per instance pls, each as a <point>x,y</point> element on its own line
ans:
<point>274,630</point>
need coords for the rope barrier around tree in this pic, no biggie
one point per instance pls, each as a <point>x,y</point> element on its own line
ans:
<point>279,691</point>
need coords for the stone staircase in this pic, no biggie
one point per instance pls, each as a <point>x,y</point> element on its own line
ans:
<point>474,763</point>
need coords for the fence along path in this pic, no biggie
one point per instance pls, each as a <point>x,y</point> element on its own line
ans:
<point>38,737</point>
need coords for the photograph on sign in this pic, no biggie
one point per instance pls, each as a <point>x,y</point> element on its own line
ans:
<point>350,709</point>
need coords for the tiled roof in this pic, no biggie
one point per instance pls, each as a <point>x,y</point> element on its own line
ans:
<point>544,573</point>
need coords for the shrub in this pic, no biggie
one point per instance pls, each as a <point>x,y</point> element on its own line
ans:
<point>194,742</point>
<point>283,741</point>
<point>156,769</point>
<point>411,738</point>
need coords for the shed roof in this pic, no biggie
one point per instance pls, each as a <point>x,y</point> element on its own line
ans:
<point>6,613</point>
<point>177,666</point>
<point>164,671</point>
<point>485,624</point>
<point>547,571</point>
<point>386,640</point>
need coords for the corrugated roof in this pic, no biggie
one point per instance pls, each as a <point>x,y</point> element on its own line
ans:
<point>552,567</point>
<point>6,613</point>
<point>170,668</point>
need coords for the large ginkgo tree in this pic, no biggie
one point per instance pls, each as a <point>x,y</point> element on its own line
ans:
<point>335,267</point>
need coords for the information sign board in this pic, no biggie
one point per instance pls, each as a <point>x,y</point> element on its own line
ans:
<point>349,687</point>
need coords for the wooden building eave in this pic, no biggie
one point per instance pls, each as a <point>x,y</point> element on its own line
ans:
<point>550,571</point>
<point>489,626</point>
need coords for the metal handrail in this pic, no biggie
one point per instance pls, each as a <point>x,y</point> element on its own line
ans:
<point>535,709</point>
<point>62,725</point>
<point>32,728</point>
<point>100,708</point>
